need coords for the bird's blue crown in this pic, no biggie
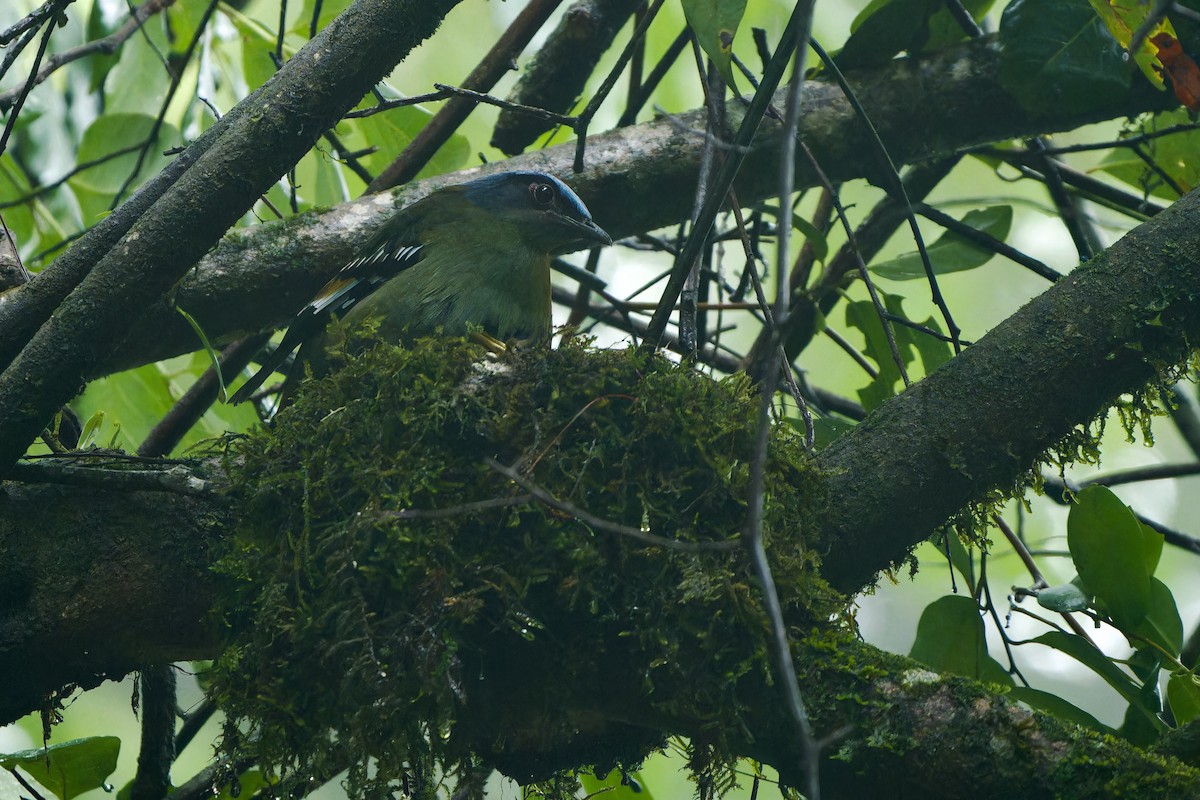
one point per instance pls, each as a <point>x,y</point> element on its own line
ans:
<point>511,190</point>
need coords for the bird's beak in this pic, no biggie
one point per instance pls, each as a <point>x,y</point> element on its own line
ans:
<point>578,234</point>
<point>595,234</point>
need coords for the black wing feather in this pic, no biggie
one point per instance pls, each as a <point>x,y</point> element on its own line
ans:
<point>355,281</point>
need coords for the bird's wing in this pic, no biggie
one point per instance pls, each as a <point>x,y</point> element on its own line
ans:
<point>358,279</point>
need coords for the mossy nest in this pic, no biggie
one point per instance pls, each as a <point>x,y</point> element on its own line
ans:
<point>397,606</point>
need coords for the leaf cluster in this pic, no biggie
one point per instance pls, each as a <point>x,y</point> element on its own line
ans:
<point>396,606</point>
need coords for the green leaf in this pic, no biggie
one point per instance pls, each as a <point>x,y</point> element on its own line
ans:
<point>932,351</point>
<point>1178,155</point>
<point>209,350</point>
<point>952,252</point>
<point>1057,56</point>
<point>329,10</point>
<point>951,638</point>
<point>1183,695</point>
<point>258,43</point>
<point>1053,704</point>
<point>812,234</point>
<point>1139,728</point>
<point>960,557</point>
<point>616,785</point>
<point>715,23</point>
<point>1162,624</point>
<point>138,82</point>
<point>70,768</point>
<point>97,186</point>
<point>1121,20</point>
<point>391,132</point>
<point>944,29</point>
<point>1152,546</point>
<point>1086,653</point>
<point>884,29</point>
<point>1065,598</point>
<point>1109,550</point>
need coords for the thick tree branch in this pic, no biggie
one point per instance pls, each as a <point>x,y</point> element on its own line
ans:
<point>980,421</point>
<point>638,179</point>
<point>272,129</point>
<point>976,424</point>
<point>95,583</point>
<point>116,581</point>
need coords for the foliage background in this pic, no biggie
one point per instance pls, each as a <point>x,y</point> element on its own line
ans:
<point>64,125</point>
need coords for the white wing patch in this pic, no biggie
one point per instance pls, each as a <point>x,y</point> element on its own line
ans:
<point>362,276</point>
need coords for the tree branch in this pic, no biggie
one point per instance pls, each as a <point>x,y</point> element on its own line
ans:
<point>638,179</point>
<point>269,132</point>
<point>981,421</point>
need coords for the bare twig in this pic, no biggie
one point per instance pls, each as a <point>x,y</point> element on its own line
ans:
<point>607,526</point>
<point>487,72</point>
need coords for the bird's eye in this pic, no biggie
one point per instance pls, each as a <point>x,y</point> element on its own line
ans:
<point>543,194</point>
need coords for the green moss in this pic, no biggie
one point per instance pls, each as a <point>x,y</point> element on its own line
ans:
<point>386,580</point>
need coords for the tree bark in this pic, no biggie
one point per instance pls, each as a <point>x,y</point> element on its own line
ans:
<point>637,179</point>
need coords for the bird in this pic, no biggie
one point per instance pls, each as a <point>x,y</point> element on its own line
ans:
<point>473,256</point>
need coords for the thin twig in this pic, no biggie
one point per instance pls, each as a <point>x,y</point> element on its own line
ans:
<point>29,82</point>
<point>720,187</point>
<point>610,80</point>
<point>494,65</point>
<point>107,46</point>
<point>795,44</point>
<point>607,526</point>
<point>898,187</point>
<point>461,509</point>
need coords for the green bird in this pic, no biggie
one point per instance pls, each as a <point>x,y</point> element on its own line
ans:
<point>475,254</point>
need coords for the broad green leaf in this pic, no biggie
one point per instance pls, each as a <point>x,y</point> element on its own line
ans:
<point>951,638</point>
<point>135,400</point>
<point>884,29</point>
<point>932,351</point>
<point>1139,728</point>
<point>96,186</point>
<point>184,18</point>
<point>99,64</point>
<point>1183,695</point>
<point>715,23</point>
<point>138,82</point>
<point>70,768</point>
<point>1065,598</point>
<point>302,25</point>
<point>1056,56</point>
<point>1121,20</point>
<point>1152,546</point>
<point>258,43</point>
<point>812,234</point>
<point>390,132</point>
<point>1086,653</point>
<point>1053,704</point>
<point>19,219</point>
<point>825,428</point>
<point>1108,548</point>
<point>1162,624</point>
<point>616,785</point>
<point>944,30</point>
<point>1178,155</point>
<point>951,252</point>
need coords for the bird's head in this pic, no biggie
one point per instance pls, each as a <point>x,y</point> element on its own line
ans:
<point>546,213</point>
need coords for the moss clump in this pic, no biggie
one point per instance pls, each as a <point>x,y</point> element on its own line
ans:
<point>397,606</point>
